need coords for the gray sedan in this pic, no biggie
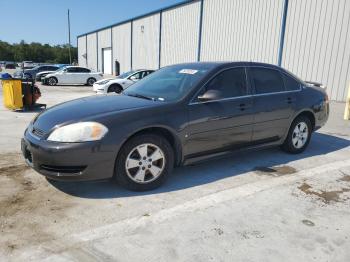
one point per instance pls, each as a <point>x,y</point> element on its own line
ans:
<point>176,116</point>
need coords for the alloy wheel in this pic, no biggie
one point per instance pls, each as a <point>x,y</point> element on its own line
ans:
<point>145,163</point>
<point>300,135</point>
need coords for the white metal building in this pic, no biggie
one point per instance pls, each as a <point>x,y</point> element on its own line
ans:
<point>311,38</point>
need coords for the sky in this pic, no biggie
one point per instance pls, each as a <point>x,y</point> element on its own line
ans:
<point>45,21</point>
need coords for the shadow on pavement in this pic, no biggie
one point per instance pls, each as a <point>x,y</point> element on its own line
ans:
<point>213,170</point>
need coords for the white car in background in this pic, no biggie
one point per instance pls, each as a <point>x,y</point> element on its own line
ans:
<point>121,82</point>
<point>75,75</point>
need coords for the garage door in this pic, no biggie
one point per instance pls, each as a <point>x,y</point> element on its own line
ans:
<point>107,61</point>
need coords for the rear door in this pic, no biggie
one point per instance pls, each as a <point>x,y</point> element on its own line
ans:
<point>272,105</point>
<point>225,123</point>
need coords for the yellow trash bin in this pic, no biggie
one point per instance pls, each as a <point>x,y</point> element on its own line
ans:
<point>12,93</point>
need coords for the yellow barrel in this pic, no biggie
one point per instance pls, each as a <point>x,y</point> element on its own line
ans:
<point>12,93</point>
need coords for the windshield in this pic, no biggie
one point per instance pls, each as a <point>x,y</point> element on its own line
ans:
<point>126,74</point>
<point>170,83</point>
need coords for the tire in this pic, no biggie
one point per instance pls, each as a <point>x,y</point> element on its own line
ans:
<point>52,81</point>
<point>299,135</point>
<point>115,88</point>
<point>91,81</point>
<point>138,174</point>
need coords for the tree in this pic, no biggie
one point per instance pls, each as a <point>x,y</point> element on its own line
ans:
<point>36,52</point>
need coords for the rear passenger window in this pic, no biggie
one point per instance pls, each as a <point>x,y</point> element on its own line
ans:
<point>290,83</point>
<point>267,80</point>
<point>230,83</point>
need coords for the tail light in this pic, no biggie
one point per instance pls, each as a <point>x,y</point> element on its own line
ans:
<point>101,74</point>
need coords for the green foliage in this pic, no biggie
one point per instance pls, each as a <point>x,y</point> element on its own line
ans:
<point>37,52</point>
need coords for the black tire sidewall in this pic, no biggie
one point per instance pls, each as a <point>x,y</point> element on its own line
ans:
<point>114,88</point>
<point>88,81</point>
<point>52,78</point>
<point>120,171</point>
<point>288,143</point>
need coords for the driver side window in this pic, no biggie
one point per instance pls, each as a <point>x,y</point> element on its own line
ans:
<point>136,76</point>
<point>229,83</point>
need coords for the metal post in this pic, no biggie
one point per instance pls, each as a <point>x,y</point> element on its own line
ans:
<point>112,49</point>
<point>160,37</point>
<point>70,56</point>
<point>97,51</point>
<point>131,38</point>
<point>200,31</point>
<point>283,31</point>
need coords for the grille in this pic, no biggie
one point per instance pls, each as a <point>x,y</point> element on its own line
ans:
<point>37,132</point>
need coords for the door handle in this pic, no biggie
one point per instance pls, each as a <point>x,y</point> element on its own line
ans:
<point>290,100</point>
<point>243,106</point>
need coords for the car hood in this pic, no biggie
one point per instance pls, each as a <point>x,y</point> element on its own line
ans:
<point>86,108</point>
<point>51,74</point>
<point>109,79</point>
<point>44,72</point>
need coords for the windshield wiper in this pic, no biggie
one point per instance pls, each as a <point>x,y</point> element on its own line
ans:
<point>140,96</point>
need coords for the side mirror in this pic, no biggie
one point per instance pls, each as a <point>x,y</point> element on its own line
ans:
<point>210,95</point>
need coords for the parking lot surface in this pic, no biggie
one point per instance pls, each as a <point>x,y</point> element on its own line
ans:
<point>252,206</point>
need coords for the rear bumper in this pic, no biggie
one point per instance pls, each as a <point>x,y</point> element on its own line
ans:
<point>68,161</point>
<point>321,115</point>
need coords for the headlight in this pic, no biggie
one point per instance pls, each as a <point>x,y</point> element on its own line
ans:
<point>103,82</point>
<point>79,132</point>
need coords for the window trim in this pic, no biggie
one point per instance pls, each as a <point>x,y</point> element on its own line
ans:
<point>193,102</point>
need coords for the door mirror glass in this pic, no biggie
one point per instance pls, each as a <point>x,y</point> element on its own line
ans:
<point>210,95</point>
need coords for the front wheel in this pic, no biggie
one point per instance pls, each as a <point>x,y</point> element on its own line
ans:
<point>91,81</point>
<point>144,162</point>
<point>52,81</point>
<point>299,135</point>
<point>115,88</point>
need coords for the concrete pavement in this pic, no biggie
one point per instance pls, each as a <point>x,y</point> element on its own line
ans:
<point>253,206</point>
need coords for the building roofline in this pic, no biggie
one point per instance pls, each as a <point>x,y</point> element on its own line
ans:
<point>185,2</point>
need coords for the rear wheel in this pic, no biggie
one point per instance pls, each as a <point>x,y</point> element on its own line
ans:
<point>91,81</point>
<point>115,88</point>
<point>52,81</point>
<point>144,162</point>
<point>299,135</point>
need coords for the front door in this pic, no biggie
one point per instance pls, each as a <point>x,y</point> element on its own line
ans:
<point>224,123</point>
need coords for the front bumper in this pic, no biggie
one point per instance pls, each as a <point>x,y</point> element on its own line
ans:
<point>68,161</point>
<point>100,89</point>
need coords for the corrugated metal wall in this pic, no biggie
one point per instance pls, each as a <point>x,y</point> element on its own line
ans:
<point>145,45</point>
<point>92,51</point>
<point>180,31</point>
<point>317,43</point>
<point>82,51</point>
<point>241,30</point>
<point>104,41</point>
<point>122,46</point>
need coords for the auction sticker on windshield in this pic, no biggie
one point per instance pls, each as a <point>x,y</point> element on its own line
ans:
<point>188,71</point>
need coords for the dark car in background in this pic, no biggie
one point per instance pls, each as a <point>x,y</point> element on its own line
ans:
<point>178,115</point>
<point>10,66</point>
<point>31,73</point>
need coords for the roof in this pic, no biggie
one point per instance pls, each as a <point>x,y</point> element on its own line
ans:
<point>226,63</point>
<point>185,2</point>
